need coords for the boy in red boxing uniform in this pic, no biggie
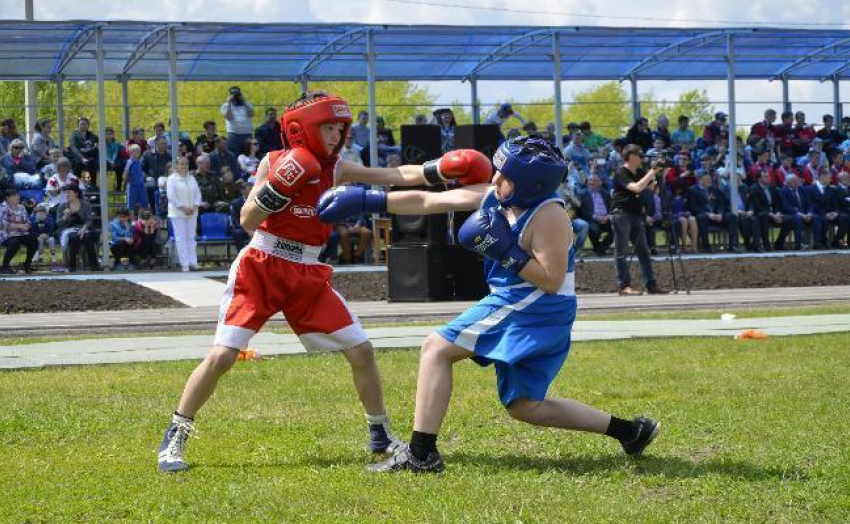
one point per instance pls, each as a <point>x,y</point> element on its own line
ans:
<point>279,270</point>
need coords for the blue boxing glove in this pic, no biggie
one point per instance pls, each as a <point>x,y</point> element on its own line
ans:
<point>345,201</point>
<point>488,232</point>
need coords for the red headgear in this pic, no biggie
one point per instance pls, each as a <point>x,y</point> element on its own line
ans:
<point>300,123</point>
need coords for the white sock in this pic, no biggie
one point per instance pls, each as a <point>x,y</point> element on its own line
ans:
<point>180,419</point>
<point>378,419</point>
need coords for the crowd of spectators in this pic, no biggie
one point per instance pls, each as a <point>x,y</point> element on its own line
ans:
<point>790,177</point>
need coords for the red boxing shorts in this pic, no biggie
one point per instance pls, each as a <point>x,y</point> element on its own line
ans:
<point>275,274</point>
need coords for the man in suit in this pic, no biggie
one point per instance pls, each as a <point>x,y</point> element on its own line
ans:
<point>768,209</point>
<point>748,222</point>
<point>841,202</point>
<point>595,210</point>
<point>822,204</point>
<point>796,205</point>
<point>707,204</point>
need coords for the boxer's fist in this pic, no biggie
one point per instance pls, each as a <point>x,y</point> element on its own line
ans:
<point>488,232</point>
<point>290,172</point>
<point>345,201</point>
<point>467,166</point>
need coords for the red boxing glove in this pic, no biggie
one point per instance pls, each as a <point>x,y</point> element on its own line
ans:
<point>290,172</point>
<point>467,166</point>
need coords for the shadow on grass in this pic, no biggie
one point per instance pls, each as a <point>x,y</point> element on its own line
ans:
<point>672,467</point>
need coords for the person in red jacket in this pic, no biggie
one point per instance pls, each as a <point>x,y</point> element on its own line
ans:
<point>279,270</point>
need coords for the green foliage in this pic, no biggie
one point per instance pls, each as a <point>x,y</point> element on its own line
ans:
<point>752,433</point>
<point>693,103</point>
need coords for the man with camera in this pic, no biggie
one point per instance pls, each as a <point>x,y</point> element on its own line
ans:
<point>238,120</point>
<point>627,219</point>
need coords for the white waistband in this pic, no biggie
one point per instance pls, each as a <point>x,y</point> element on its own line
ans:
<point>284,248</point>
<point>568,287</point>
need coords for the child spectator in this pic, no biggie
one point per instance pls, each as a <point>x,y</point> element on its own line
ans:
<point>56,185</point>
<point>116,157</point>
<point>137,195</point>
<point>50,168</point>
<point>145,232</point>
<point>121,240</point>
<point>42,227</point>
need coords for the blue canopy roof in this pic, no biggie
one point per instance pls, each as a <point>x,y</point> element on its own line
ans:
<point>208,51</point>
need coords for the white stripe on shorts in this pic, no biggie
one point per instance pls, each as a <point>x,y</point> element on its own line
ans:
<point>469,336</point>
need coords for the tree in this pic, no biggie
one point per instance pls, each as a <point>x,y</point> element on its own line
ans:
<point>693,103</point>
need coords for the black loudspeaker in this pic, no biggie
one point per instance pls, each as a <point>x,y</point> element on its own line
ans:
<point>469,278</point>
<point>420,229</point>
<point>484,138</point>
<point>419,144</point>
<point>420,272</point>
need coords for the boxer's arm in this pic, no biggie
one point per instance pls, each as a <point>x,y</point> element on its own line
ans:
<point>425,203</point>
<point>252,216</point>
<point>351,173</point>
<point>547,238</point>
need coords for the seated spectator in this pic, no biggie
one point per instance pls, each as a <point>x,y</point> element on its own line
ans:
<point>761,133</point>
<point>572,206</point>
<point>42,142</point>
<point>601,167</point>
<point>681,215</point>
<point>787,167</point>
<point>116,157</point>
<point>121,241</point>
<point>811,168</point>
<point>83,149</point>
<point>578,154</point>
<point>640,135</point>
<point>445,118</point>
<point>8,132</point>
<point>268,134</point>
<point>841,204</point>
<point>830,136</point>
<point>803,133</point>
<point>361,130</point>
<point>840,163</point>
<point>186,150</point>
<point>681,175</point>
<point>386,141</point>
<point>393,160</point>
<point>763,164</point>
<point>229,187</point>
<point>184,201</point>
<point>240,236</point>
<point>421,120</point>
<point>138,138</point>
<point>658,148</point>
<point>155,165</point>
<point>145,233</point>
<point>209,185</point>
<point>76,228</point>
<point>592,141</point>
<point>683,135</point>
<point>360,227</point>
<point>56,184</point>
<point>249,159</point>
<point>137,195</point>
<point>222,156</point>
<point>42,227</point>
<point>715,130</point>
<point>205,143</point>
<point>350,150</point>
<point>49,169</point>
<point>653,218</point>
<point>796,204</point>
<point>748,222</point>
<point>822,204</point>
<point>707,204</point>
<point>159,133</point>
<point>768,208</point>
<point>595,210</point>
<point>501,115</point>
<point>15,231</point>
<point>21,167</point>
<point>662,131</point>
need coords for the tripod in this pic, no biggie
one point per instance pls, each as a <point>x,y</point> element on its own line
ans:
<point>674,243</point>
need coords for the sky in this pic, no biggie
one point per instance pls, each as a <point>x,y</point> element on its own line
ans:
<point>812,97</point>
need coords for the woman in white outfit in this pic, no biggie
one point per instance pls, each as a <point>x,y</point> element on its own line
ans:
<point>184,197</point>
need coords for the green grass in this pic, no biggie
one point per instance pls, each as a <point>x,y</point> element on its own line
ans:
<point>839,308</point>
<point>755,431</point>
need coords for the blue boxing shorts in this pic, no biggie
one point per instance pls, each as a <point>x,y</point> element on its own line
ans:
<point>523,332</point>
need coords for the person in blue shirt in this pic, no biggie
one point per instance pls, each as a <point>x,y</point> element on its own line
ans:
<point>523,326</point>
<point>121,240</point>
<point>134,177</point>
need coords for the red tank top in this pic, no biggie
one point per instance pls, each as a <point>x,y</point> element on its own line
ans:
<point>300,222</point>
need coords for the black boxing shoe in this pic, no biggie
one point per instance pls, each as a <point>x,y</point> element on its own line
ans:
<point>646,429</point>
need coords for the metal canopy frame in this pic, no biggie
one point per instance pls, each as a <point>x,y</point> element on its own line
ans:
<point>817,56</point>
<point>81,39</point>
<point>148,42</point>
<point>498,54</point>
<point>331,48</point>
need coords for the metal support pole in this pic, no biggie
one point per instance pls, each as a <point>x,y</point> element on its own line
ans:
<point>786,97</point>
<point>103,180</point>
<point>304,85</point>
<point>732,161</point>
<point>476,109</point>
<point>30,91</point>
<point>836,100</point>
<point>635,100</point>
<point>172,96</point>
<point>556,78</point>
<point>125,107</point>
<point>373,114</point>
<point>60,114</point>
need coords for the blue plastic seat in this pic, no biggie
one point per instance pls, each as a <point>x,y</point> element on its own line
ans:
<point>36,195</point>
<point>215,226</point>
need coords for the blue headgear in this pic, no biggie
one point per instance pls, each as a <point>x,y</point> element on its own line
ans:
<point>535,168</point>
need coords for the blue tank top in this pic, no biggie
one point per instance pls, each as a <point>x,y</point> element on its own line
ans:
<point>497,276</point>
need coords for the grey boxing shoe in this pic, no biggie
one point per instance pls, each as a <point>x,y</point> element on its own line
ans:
<point>382,440</point>
<point>647,429</point>
<point>173,446</point>
<point>404,460</point>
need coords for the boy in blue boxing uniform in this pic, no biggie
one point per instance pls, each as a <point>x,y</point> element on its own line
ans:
<point>523,326</point>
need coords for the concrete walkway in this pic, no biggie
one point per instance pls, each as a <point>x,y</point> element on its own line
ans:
<point>149,349</point>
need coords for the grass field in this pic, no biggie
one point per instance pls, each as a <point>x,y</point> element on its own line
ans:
<point>753,432</point>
